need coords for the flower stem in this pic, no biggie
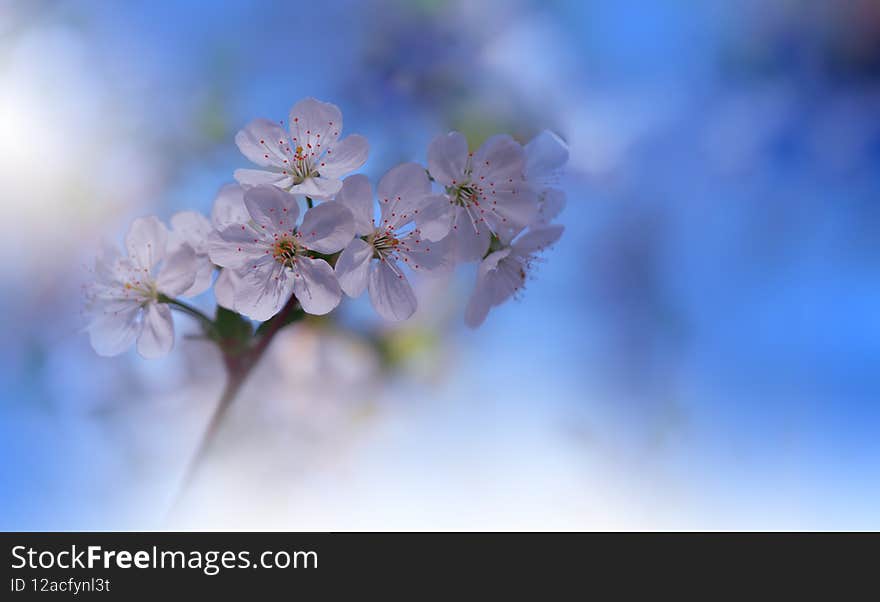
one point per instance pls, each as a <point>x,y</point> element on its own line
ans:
<point>188,309</point>
<point>238,368</point>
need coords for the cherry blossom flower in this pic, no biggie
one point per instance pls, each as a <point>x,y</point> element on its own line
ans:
<point>125,301</point>
<point>546,155</point>
<point>274,257</point>
<point>193,229</point>
<point>503,272</point>
<point>310,159</point>
<point>229,209</point>
<point>485,193</point>
<point>375,259</point>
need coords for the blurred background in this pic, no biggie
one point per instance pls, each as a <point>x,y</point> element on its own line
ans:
<point>700,351</point>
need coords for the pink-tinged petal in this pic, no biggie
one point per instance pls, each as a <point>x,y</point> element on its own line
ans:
<point>353,267</point>
<point>272,210</point>
<point>263,291</point>
<point>178,271</point>
<point>425,255</point>
<point>259,177</point>
<point>469,243</point>
<point>315,286</point>
<point>500,158</point>
<point>551,205</point>
<point>514,209</point>
<point>265,143</point>
<point>157,336</point>
<point>327,228</point>
<point>320,189</point>
<point>112,332</point>
<point>390,292</point>
<point>545,154</point>
<point>146,241</point>
<point>401,192</point>
<point>224,288</point>
<point>314,126</point>
<point>357,195</point>
<point>236,247</point>
<point>537,239</point>
<point>346,156</point>
<point>229,207</point>
<point>435,216</point>
<point>447,158</point>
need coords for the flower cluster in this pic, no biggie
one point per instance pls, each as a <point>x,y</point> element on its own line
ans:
<point>300,230</point>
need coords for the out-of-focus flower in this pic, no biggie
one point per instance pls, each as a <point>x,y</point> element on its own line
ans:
<point>503,272</point>
<point>403,193</point>
<point>125,299</point>
<point>271,254</point>
<point>485,193</point>
<point>310,160</point>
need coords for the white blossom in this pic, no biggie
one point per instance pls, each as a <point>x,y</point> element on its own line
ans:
<point>124,301</point>
<point>193,229</point>
<point>272,255</point>
<point>504,271</point>
<point>485,193</point>
<point>229,209</point>
<point>308,160</point>
<point>375,259</point>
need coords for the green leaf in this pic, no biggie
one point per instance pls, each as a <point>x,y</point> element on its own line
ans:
<point>232,330</point>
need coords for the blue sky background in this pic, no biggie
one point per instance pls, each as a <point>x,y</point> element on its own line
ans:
<point>700,350</point>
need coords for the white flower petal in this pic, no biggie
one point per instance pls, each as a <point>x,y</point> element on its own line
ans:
<point>225,286</point>
<point>229,207</point>
<point>500,158</point>
<point>513,209</point>
<point>146,241</point>
<point>426,255</point>
<point>357,195</point>
<point>264,142</point>
<point>551,205</point>
<point>318,188</point>
<point>346,156</point>
<point>447,158</point>
<point>190,227</point>
<point>478,305</point>
<point>157,336</point>
<point>236,246</point>
<point>178,271</point>
<point>258,177</point>
<point>113,332</point>
<point>401,192</point>
<point>504,279</point>
<point>203,277</point>
<point>272,210</point>
<point>315,286</point>
<point>353,267</point>
<point>314,125</point>
<point>390,292</point>
<point>545,154</point>
<point>537,239</point>
<point>469,244</point>
<point>435,216</point>
<point>327,228</point>
<point>263,291</point>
